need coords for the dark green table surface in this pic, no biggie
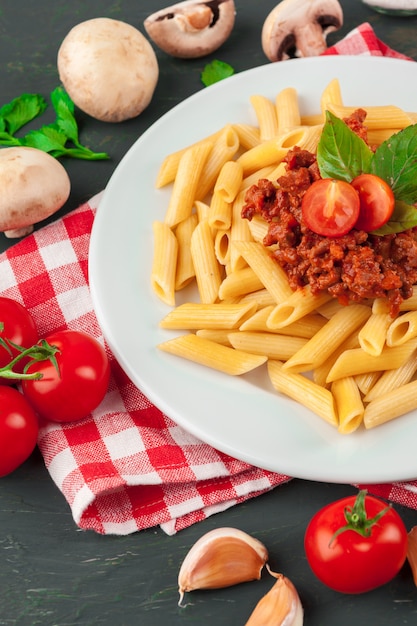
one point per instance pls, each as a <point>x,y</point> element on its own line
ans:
<point>53,574</point>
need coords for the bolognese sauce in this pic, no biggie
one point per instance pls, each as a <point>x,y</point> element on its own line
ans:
<point>354,267</point>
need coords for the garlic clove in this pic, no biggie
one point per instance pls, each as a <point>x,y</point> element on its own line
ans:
<point>221,558</point>
<point>412,552</point>
<point>281,606</point>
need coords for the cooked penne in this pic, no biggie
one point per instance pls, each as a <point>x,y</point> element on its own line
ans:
<point>328,338</point>
<point>384,116</point>
<point>391,379</point>
<point>402,329</point>
<point>229,181</point>
<point>279,347</point>
<point>222,246</point>
<point>164,262</point>
<point>186,183</point>
<point>220,213</point>
<point>307,327</point>
<point>194,315</point>
<point>391,405</point>
<point>258,228</point>
<point>373,334</point>
<point>185,266</point>
<point>212,354</point>
<point>220,335</point>
<point>266,153</point>
<point>239,283</point>
<point>331,95</point>
<point>295,306</point>
<point>206,266</point>
<point>321,372</point>
<point>365,382</point>
<point>224,149</point>
<point>349,405</point>
<point>287,110</point>
<point>249,136</point>
<point>239,231</point>
<point>270,273</point>
<point>306,392</point>
<point>169,166</point>
<point>354,362</point>
<point>266,115</point>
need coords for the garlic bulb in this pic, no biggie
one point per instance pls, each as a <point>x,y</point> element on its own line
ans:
<point>221,558</point>
<point>281,606</point>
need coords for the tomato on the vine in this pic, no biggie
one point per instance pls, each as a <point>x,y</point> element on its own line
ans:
<point>330,207</point>
<point>77,385</point>
<point>18,430</point>
<point>356,544</point>
<point>17,326</point>
<point>376,201</point>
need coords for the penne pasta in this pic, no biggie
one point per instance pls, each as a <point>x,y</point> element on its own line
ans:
<point>402,329</point>
<point>212,354</point>
<point>391,379</point>
<point>295,306</point>
<point>372,336</point>
<point>349,405</point>
<point>328,338</point>
<point>164,262</point>
<point>279,347</point>
<point>206,265</point>
<point>186,183</point>
<point>384,116</point>
<point>239,283</point>
<point>194,315</point>
<point>224,149</point>
<point>287,110</point>
<point>266,115</point>
<point>220,213</point>
<point>185,273</point>
<point>391,405</point>
<point>229,181</point>
<point>249,136</point>
<point>306,392</point>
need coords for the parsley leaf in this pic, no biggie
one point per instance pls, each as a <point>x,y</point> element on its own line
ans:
<point>20,111</point>
<point>341,153</point>
<point>52,138</point>
<point>395,161</point>
<point>215,71</point>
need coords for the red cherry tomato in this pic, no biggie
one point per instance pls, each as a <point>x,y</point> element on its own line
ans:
<point>330,207</point>
<point>78,387</point>
<point>356,560</point>
<point>19,328</point>
<point>18,430</point>
<point>376,201</point>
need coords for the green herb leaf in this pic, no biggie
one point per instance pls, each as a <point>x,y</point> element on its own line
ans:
<point>64,109</point>
<point>21,110</point>
<point>403,218</point>
<point>47,138</point>
<point>395,161</point>
<point>215,71</point>
<point>341,153</point>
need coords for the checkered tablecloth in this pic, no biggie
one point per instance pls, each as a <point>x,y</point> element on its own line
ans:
<point>127,466</point>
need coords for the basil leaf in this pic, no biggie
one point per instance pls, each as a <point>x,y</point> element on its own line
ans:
<point>341,153</point>
<point>22,110</point>
<point>395,161</point>
<point>404,217</point>
<point>215,71</point>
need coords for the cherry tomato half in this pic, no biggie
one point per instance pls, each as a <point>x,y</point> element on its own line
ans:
<point>330,207</point>
<point>376,201</point>
<point>351,562</point>
<point>18,430</point>
<point>19,328</point>
<point>78,387</point>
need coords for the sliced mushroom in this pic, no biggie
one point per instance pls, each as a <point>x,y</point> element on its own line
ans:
<point>298,28</point>
<point>192,28</point>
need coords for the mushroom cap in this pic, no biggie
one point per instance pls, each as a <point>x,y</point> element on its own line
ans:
<point>300,25</point>
<point>108,68</point>
<point>192,28</point>
<point>33,184</point>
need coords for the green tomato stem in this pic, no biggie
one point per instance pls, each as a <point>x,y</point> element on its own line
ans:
<point>357,519</point>
<point>42,351</point>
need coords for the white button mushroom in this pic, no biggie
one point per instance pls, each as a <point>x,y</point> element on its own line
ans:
<point>108,68</point>
<point>299,28</point>
<point>33,184</point>
<point>192,28</point>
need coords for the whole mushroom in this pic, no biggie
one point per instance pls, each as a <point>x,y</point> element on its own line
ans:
<point>33,184</point>
<point>192,28</point>
<point>298,28</point>
<point>108,68</point>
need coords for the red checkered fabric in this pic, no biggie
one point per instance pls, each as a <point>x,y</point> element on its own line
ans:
<point>127,466</point>
<point>362,41</point>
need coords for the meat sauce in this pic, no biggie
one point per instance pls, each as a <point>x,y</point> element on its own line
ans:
<point>355,267</point>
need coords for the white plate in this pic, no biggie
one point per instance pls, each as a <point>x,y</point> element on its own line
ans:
<point>243,417</point>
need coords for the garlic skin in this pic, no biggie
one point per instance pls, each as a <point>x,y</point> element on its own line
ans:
<point>221,558</point>
<point>281,606</point>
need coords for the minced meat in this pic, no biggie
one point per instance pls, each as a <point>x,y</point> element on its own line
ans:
<point>354,267</point>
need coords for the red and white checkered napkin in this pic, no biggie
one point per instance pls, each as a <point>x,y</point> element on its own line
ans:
<point>128,466</point>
